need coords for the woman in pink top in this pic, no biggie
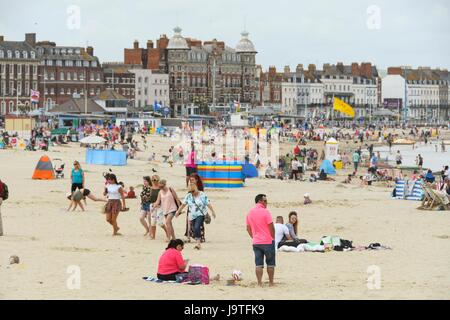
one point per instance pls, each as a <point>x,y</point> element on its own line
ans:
<point>169,203</point>
<point>190,165</point>
<point>171,262</point>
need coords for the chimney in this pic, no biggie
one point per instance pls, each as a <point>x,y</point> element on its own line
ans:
<point>149,44</point>
<point>366,70</point>
<point>299,68</point>
<point>395,71</point>
<point>136,44</point>
<point>90,51</point>
<point>2,38</point>
<point>355,69</point>
<point>312,68</point>
<point>287,70</point>
<point>272,71</point>
<point>30,38</point>
<point>340,67</point>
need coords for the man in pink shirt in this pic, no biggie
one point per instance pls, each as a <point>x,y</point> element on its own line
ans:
<point>261,229</point>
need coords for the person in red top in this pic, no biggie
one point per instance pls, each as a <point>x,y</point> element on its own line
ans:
<point>261,229</point>
<point>171,261</point>
<point>297,150</point>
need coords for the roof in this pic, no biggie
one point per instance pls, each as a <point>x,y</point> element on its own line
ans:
<point>177,42</point>
<point>49,53</point>
<point>110,94</point>
<point>17,46</point>
<point>78,106</point>
<point>245,45</point>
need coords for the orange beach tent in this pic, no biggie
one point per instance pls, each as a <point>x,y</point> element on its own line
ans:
<point>44,169</point>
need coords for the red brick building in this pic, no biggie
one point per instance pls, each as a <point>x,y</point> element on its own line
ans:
<point>67,72</point>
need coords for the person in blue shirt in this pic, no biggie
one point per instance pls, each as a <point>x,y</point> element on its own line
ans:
<point>429,177</point>
<point>77,177</point>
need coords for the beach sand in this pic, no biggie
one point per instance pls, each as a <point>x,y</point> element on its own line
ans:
<point>49,240</point>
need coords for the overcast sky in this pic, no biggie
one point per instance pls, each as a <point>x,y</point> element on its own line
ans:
<point>285,32</point>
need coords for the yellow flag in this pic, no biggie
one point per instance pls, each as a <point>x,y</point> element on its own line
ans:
<point>343,107</point>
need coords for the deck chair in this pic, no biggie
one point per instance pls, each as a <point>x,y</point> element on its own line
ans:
<point>434,200</point>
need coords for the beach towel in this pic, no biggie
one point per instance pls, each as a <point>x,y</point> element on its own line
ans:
<point>156,280</point>
<point>417,193</point>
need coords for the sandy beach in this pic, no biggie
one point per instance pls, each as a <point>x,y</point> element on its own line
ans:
<point>48,239</point>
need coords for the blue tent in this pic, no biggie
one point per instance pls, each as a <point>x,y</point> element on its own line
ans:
<point>327,167</point>
<point>249,170</point>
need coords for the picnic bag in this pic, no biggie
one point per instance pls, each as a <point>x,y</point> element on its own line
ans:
<point>199,274</point>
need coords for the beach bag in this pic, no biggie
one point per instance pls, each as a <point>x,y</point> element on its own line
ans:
<point>198,274</point>
<point>207,218</point>
<point>5,194</point>
<point>175,197</point>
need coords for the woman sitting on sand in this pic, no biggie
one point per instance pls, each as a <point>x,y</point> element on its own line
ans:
<point>171,262</point>
<point>293,240</point>
<point>115,193</point>
<point>324,177</point>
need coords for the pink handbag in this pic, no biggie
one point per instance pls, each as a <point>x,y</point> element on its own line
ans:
<point>198,274</point>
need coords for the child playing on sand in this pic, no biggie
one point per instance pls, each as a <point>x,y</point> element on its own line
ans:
<point>307,199</point>
<point>78,195</point>
<point>131,194</point>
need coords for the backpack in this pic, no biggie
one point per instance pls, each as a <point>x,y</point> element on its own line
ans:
<point>5,194</point>
<point>198,274</point>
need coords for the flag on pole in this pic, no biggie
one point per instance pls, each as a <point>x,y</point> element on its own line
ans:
<point>157,106</point>
<point>237,105</point>
<point>34,96</point>
<point>343,107</point>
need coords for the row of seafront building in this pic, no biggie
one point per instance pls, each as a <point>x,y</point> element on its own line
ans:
<point>182,73</point>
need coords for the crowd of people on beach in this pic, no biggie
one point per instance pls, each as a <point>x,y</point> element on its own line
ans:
<point>160,205</point>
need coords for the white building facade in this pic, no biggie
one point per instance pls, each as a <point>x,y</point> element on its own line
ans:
<point>418,100</point>
<point>150,87</point>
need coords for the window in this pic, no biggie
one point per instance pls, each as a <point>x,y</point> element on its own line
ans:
<point>62,91</point>
<point>27,88</point>
<point>9,54</point>
<point>61,76</point>
<point>2,54</point>
<point>25,54</point>
<point>17,54</point>
<point>68,91</point>
<point>59,63</point>
<point>94,63</point>
<point>78,63</point>
<point>68,76</point>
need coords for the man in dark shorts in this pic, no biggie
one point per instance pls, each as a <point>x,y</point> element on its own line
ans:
<point>261,229</point>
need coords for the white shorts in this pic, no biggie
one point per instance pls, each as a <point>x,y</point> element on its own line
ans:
<point>157,218</point>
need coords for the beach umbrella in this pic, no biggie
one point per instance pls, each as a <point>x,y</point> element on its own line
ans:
<point>92,140</point>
